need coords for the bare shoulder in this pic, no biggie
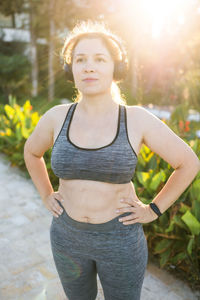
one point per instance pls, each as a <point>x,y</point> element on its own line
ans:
<point>136,109</point>
<point>42,137</point>
<point>58,109</point>
<point>136,115</point>
<point>50,117</point>
<point>59,113</point>
<point>147,120</point>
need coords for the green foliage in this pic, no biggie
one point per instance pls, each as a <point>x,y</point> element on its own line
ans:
<point>16,124</point>
<point>180,113</point>
<point>175,236</point>
<point>14,70</point>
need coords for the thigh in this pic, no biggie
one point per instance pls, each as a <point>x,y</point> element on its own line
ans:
<point>121,271</point>
<point>76,271</point>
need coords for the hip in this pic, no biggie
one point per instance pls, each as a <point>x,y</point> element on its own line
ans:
<point>111,233</point>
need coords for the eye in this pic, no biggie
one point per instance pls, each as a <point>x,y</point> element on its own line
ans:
<point>100,58</point>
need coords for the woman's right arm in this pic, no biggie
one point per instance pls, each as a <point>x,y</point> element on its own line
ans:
<point>36,145</point>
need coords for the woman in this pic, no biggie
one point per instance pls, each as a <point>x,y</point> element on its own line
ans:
<point>96,142</point>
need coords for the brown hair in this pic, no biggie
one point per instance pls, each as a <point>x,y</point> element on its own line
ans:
<point>92,29</point>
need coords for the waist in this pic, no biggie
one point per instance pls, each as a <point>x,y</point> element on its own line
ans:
<point>94,202</point>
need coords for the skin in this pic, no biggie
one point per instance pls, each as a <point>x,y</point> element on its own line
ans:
<point>93,201</point>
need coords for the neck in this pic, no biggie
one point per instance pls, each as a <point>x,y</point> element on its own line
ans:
<point>97,104</point>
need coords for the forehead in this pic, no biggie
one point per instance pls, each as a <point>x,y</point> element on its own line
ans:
<point>91,46</point>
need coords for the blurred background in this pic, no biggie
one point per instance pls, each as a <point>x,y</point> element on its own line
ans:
<point>162,39</point>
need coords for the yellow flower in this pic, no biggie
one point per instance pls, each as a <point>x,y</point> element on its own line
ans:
<point>8,131</point>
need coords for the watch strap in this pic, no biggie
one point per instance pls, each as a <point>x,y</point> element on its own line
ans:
<point>155,208</point>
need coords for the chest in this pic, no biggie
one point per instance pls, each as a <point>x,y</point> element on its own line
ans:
<point>92,133</point>
<point>98,133</point>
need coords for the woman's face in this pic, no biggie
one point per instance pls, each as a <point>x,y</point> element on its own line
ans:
<point>91,59</point>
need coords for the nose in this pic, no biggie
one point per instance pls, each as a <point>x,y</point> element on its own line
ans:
<point>89,66</point>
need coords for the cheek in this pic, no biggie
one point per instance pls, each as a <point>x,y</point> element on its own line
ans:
<point>108,76</point>
<point>105,70</point>
<point>109,71</point>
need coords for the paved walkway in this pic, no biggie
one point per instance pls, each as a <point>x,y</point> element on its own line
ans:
<point>27,270</point>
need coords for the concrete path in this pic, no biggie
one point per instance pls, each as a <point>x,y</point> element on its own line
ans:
<point>27,270</point>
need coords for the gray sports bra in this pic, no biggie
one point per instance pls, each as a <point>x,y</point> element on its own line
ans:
<point>113,163</point>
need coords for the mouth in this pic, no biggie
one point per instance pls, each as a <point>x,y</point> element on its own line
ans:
<point>90,80</point>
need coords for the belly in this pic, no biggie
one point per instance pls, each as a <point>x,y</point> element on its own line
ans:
<point>93,201</point>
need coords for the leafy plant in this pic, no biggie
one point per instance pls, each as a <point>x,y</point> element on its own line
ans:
<point>16,124</point>
<point>174,237</point>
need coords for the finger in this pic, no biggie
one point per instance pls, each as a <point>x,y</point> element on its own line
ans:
<point>61,200</point>
<point>57,208</point>
<point>130,201</point>
<point>54,214</point>
<point>52,209</point>
<point>127,218</point>
<point>125,209</point>
<point>131,220</point>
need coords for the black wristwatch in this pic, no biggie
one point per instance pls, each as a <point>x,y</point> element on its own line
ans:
<point>155,209</point>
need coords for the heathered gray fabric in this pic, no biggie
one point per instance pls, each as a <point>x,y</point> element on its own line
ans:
<point>118,253</point>
<point>114,163</point>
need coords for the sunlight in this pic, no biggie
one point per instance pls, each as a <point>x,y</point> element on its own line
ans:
<point>164,15</point>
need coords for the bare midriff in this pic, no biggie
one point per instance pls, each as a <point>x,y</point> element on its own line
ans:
<point>93,201</point>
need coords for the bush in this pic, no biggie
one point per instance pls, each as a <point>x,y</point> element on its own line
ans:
<point>174,238</point>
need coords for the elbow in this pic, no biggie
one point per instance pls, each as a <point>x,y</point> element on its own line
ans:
<point>192,164</point>
<point>28,152</point>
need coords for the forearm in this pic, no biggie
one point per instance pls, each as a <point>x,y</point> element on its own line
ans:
<point>176,184</point>
<point>37,169</point>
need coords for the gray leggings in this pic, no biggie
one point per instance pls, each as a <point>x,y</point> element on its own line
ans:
<point>118,253</point>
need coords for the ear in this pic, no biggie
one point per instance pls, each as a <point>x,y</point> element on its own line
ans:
<point>68,71</point>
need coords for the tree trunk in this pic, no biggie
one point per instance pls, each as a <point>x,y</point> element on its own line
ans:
<point>33,45</point>
<point>51,52</point>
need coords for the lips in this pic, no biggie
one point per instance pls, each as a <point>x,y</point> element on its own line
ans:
<point>90,79</point>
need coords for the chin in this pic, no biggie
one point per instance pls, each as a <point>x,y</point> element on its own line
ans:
<point>91,91</point>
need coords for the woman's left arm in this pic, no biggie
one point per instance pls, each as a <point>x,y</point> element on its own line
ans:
<point>162,140</point>
<point>169,146</point>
